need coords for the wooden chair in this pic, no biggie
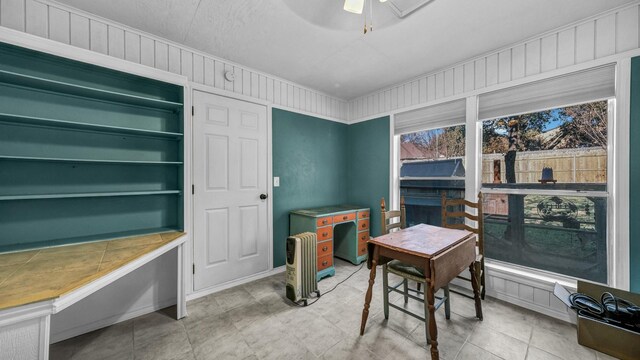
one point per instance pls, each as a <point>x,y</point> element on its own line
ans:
<point>406,271</point>
<point>459,212</point>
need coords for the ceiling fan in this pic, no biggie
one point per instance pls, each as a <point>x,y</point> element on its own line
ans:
<point>357,7</point>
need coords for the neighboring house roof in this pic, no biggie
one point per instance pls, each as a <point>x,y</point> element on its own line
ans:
<point>410,151</point>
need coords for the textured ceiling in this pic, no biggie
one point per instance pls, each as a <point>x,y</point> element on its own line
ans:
<point>321,46</point>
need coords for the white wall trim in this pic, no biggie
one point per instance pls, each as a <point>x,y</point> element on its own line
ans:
<point>112,320</point>
<point>302,112</point>
<point>619,225</point>
<point>270,183</point>
<point>394,166</point>
<point>37,43</point>
<point>233,283</point>
<point>537,58</point>
<point>26,312</point>
<point>45,336</point>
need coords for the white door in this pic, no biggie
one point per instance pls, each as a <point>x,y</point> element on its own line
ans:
<point>231,234</point>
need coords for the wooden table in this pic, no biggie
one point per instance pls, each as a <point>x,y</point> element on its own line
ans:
<point>441,253</point>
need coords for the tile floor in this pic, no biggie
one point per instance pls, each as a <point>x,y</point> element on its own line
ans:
<point>255,321</point>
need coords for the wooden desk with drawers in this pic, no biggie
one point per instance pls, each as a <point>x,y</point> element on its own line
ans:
<point>342,231</point>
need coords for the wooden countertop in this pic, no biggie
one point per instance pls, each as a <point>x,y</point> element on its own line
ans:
<point>37,275</point>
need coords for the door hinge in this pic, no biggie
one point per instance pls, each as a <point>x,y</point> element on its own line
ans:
<point>193,269</point>
<point>193,111</point>
<point>193,189</point>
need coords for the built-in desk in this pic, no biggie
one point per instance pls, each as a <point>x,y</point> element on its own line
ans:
<point>342,231</point>
<point>37,283</point>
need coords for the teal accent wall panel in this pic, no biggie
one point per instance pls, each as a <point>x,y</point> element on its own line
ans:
<point>310,157</point>
<point>368,175</point>
<point>634,177</point>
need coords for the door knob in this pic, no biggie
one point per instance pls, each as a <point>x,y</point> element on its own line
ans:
<point>263,196</point>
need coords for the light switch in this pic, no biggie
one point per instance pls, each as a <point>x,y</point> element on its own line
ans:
<point>276,181</point>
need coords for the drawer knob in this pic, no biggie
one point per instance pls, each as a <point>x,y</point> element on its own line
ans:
<point>345,217</point>
<point>324,221</point>
<point>324,263</point>
<point>325,233</point>
<point>325,248</point>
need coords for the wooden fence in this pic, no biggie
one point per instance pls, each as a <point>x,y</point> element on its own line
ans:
<point>588,165</point>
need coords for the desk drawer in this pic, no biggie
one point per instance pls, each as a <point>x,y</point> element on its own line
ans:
<point>363,214</point>
<point>324,221</point>
<point>363,224</point>
<point>363,236</point>
<point>344,217</point>
<point>324,262</point>
<point>325,233</point>
<point>362,248</point>
<point>325,248</point>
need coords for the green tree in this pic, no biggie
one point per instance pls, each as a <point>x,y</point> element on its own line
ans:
<point>585,125</point>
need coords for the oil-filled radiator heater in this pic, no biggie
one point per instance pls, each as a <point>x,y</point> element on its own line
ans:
<point>301,267</point>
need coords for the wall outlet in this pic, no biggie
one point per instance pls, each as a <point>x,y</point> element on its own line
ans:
<point>276,181</point>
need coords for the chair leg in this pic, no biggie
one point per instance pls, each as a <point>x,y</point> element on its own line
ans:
<point>447,303</point>
<point>385,291</point>
<point>482,285</point>
<point>405,283</point>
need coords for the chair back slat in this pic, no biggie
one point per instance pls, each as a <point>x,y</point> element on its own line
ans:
<point>458,202</point>
<point>392,214</point>
<point>388,217</point>
<point>463,214</point>
<point>459,214</point>
<point>462,227</point>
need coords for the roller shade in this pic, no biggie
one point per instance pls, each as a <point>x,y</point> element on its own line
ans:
<point>579,87</point>
<point>431,117</point>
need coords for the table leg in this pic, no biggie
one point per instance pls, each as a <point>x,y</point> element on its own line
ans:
<point>367,298</point>
<point>476,291</point>
<point>433,329</point>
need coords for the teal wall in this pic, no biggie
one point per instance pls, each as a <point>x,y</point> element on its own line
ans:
<point>310,157</point>
<point>368,173</point>
<point>322,162</point>
<point>634,174</point>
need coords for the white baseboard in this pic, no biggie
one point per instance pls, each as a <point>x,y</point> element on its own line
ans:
<point>85,328</point>
<point>214,289</point>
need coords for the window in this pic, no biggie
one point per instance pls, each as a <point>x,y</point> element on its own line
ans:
<point>544,175</point>
<point>432,162</point>
<point>558,130</point>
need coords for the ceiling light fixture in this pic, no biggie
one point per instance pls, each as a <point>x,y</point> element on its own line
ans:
<point>354,6</point>
<point>357,7</point>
